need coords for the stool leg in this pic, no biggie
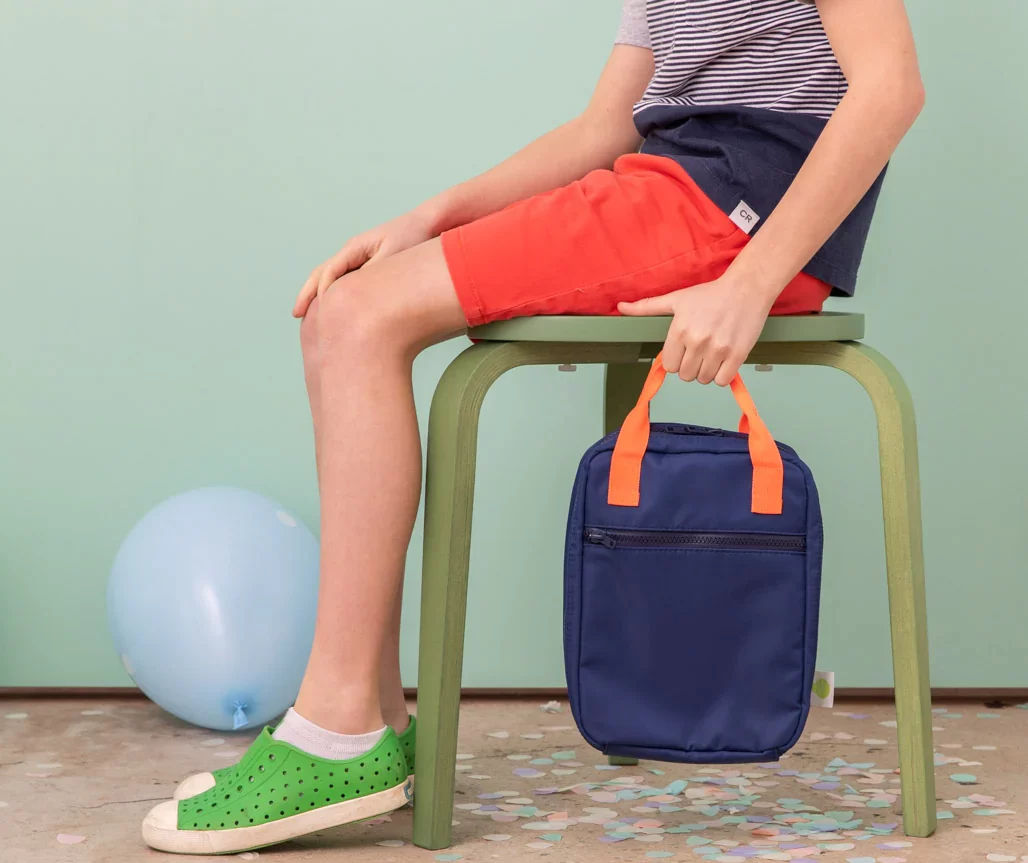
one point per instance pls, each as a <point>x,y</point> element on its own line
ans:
<point>904,557</point>
<point>449,495</point>
<point>622,384</point>
<point>904,553</point>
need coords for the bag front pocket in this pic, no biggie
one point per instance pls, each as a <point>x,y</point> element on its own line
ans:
<point>694,642</point>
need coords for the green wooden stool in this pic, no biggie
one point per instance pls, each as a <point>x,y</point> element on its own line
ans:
<point>621,343</point>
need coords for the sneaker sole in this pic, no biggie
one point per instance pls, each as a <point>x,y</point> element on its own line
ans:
<point>238,839</point>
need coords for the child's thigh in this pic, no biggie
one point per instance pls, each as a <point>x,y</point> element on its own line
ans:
<point>641,230</point>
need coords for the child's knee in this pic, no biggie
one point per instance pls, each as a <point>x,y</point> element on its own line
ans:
<point>356,315</point>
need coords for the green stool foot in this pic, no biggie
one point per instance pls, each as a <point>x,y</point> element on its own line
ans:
<point>619,761</point>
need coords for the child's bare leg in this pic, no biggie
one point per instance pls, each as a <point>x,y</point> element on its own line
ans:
<point>393,703</point>
<point>370,326</point>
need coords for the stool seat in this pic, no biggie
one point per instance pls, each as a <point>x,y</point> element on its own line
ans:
<point>824,327</point>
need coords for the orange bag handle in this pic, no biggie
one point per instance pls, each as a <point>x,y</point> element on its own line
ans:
<point>634,437</point>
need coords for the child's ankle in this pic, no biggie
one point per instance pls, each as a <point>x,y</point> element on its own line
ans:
<point>397,720</point>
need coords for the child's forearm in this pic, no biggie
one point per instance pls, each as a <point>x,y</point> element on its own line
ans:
<point>852,151</point>
<point>559,157</point>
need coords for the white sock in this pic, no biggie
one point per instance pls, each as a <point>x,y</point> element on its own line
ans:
<point>318,741</point>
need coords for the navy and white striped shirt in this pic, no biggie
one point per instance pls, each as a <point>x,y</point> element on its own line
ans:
<point>741,91</point>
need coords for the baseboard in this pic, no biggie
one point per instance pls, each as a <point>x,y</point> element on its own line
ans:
<point>959,693</point>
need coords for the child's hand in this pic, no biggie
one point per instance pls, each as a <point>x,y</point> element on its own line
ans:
<point>374,245</point>
<point>715,327</point>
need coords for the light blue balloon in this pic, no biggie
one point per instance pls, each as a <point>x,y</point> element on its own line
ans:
<point>211,605</point>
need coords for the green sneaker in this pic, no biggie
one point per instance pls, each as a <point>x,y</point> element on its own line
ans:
<point>407,744</point>
<point>277,793</point>
<point>198,783</point>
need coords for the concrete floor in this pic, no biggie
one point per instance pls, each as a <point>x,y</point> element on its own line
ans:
<point>85,772</point>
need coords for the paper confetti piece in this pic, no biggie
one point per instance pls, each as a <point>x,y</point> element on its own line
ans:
<point>892,846</point>
<point>481,776</point>
<point>228,753</point>
<point>214,741</point>
<point>391,843</point>
<point>448,858</point>
<point>892,860</point>
<point>985,830</point>
<point>496,837</point>
<point>990,716</point>
<point>538,846</point>
<point>527,773</point>
<point>943,815</point>
<point>250,855</point>
<point>1001,858</point>
<point>16,716</point>
<point>464,756</point>
<point>499,735</point>
<point>964,778</point>
<point>984,748</point>
<point>550,707</point>
<point>3,805</point>
<point>532,736</point>
<point>551,837</point>
<point>842,735</point>
<point>860,860</point>
<point>660,855</point>
<point>54,766</point>
<point>70,838</point>
<point>838,846</point>
<point>91,713</point>
<point>889,723</point>
<point>563,756</point>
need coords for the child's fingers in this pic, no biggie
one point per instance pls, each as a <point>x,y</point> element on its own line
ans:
<point>349,257</point>
<point>307,293</point>
<point>647,307</point>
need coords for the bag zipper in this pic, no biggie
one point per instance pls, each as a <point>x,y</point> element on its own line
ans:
<point>695,539</point>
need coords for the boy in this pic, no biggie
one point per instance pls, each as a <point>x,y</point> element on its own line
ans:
<point>765,128</point>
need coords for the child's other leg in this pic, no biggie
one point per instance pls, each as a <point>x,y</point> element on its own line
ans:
<point>393,703</point>
<point>370,326</point>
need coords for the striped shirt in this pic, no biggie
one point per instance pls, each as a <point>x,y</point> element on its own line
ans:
<point>740,93</point>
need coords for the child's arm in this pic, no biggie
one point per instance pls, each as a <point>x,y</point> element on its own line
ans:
<point>594,139</point>
<point>717,324</point>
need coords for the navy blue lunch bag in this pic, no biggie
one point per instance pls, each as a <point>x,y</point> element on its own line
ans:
<point>691,587</point>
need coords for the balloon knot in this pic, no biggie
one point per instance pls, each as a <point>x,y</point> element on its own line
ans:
<point>239,718</point>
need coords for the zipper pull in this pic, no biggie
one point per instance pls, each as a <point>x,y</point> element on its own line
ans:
<point>598,537</point>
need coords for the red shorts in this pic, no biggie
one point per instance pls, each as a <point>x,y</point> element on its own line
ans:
<point>641,230</point>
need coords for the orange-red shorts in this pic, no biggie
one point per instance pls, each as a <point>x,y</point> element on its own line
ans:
<point>641,230</point>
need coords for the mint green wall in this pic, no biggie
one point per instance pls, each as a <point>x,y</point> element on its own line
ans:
<point>170,171</point>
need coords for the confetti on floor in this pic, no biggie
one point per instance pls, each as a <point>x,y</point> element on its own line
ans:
<point>16,716</point>
<point>538,792</point>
